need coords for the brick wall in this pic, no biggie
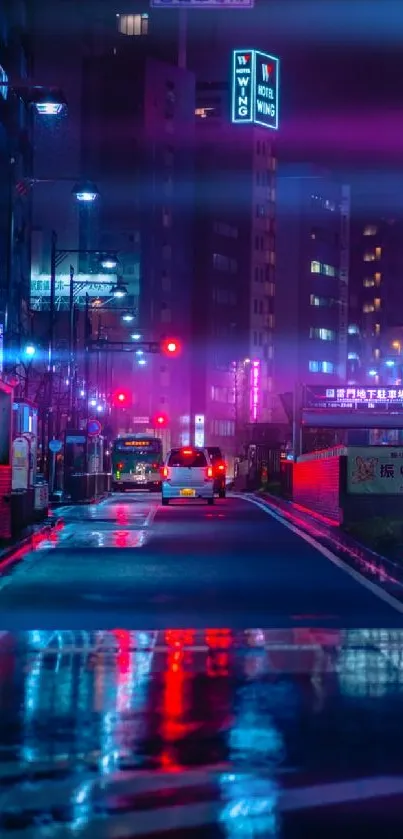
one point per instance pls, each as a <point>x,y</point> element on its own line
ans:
<point>316,485</point>
<point>5,507</point>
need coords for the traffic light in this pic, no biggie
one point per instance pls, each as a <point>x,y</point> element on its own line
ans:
<point>160,421</point>
<point>121,398</point>
<point>171,347</point>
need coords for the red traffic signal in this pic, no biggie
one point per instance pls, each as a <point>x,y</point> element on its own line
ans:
<point>171,347</point>
<point>160,420</point>
<point>121,398</point>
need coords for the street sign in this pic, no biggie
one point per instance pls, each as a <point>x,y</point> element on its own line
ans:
<point>94,428</point>
<point>55,446</point>
<point>202,4</point>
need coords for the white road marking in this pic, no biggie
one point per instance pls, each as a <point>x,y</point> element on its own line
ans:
<point>359,578</point>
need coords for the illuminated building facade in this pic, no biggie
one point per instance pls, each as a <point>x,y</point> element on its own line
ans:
<point>375,321</point>
<point>313,216</point>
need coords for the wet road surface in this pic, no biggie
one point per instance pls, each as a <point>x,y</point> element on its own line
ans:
<point>286,734</point>
<point>129,562</point>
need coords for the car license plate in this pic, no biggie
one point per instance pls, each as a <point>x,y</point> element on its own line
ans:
<point>188,493</point>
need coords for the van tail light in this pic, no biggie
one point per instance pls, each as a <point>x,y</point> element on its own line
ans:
<point>209,472</point>
<point>165,472</point>
<point>221,467</point>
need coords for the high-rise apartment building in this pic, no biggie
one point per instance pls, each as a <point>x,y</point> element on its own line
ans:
<point>234,270</point>
<point>313,217</point>
<point>375,319</point>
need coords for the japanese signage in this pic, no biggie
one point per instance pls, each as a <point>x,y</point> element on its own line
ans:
<point>354,398</point>
<point>199,430</point>
<point>202,4</point>
<point>255,88</point>
<point>137,444</point>
<point>95,285</point>
<point>377,470</point>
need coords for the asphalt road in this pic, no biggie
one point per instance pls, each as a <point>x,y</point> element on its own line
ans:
<point>129,562</point>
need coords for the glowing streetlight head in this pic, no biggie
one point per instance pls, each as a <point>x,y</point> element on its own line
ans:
<point>48,108</point>
<point>118,291</point>
<point>127,317</point>
<point>86,192</point>
<point>136,336</point>
<point>30,350</point>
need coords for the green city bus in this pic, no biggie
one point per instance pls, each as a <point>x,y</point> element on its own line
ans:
<point>136,462</point>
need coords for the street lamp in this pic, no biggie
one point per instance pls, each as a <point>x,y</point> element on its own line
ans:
<point>128,317</point>
<point>108,262</point>
<point>86,192</point>
<point>119,290</point>
<point>48,103</point>
<point>29,350</point>
<point>136,336</point>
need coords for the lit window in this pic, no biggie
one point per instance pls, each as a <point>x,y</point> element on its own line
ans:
<point>369,282</point>
<point>133,24</point>
<point>329,270</point>
<point>352,356</point>
<point>378,253</point>
<point>370,230</point>
<point>315,267</point>
<point>368,307</point>
<point>377,328</point>
<point>369,256</point>
<point>396,345</point>
<point>377,303</point>
<point>377,352</point>
<point>322,334</point>
<point>353,329</point>
<point>321,367</point>
<point>377,278</point>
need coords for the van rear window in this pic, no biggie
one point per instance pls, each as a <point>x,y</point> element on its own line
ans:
<point>196,459</point>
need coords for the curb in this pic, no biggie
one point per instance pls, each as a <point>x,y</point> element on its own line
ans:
<point>331,536</point>
<point>10,551</point>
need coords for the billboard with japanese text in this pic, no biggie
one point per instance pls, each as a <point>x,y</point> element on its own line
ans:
<point>376,470</point>
<point>355,398</point>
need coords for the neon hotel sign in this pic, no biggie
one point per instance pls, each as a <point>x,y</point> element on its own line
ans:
<point>255,88</point>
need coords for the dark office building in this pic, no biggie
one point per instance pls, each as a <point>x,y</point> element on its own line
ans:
<point>313,213</point>
<point>138,129</point>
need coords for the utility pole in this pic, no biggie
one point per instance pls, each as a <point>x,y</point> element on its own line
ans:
<point>182,45</point>
<point>52,312</point>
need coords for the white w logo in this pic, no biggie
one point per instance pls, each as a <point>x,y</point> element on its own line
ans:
<point>266,72</point>
<point>242,60</point>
